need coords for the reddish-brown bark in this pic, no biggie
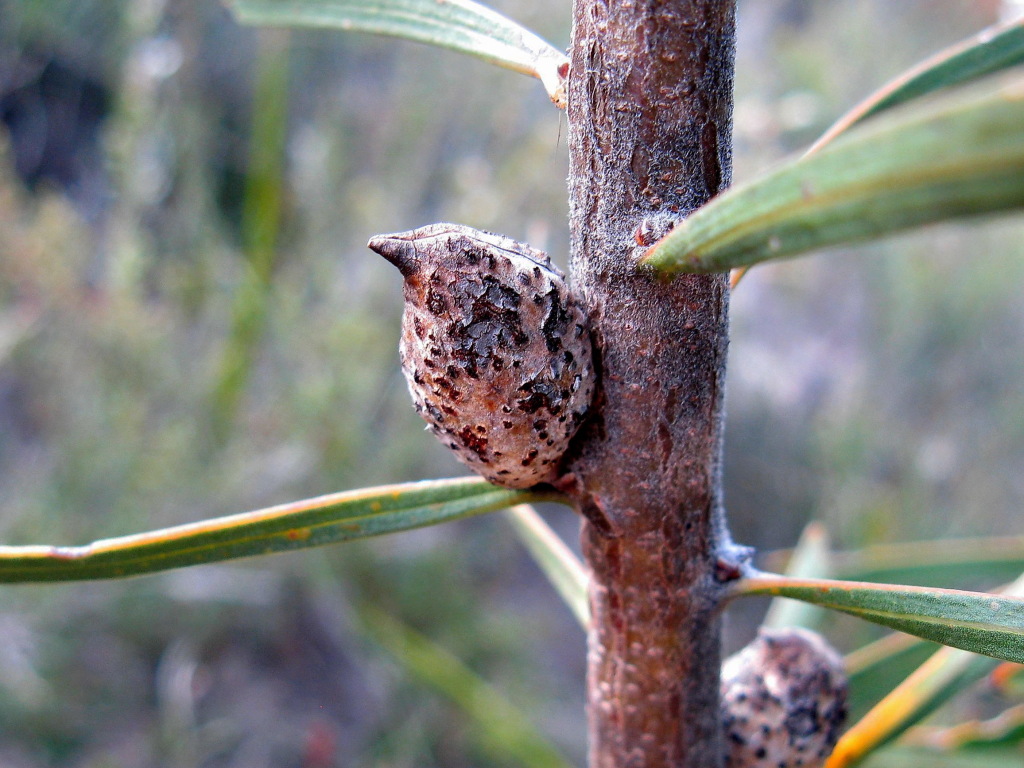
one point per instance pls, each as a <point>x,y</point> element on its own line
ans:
<point>650,89</point>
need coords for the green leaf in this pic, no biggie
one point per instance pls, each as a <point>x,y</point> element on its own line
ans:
<point>945,674</point>
<point>948,561</point>
<point>309,523</point>
<point>562,568</point>
<point>990,51</point>
<point>958,154</point>
<point>811,557</point>
<point>503,730</point>
<point>874,669</point>
<point>905,757</point>
<point>940,562</point>
<point>989,624</point>
<point>459,25</point>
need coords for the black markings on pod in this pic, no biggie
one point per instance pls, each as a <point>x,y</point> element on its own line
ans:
<point>783,701</point>
<point>494,349</point>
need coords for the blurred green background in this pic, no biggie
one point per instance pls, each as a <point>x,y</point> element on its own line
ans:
<point>191,325</point>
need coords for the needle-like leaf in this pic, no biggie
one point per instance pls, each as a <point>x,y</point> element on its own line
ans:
<point>991,50</point>
<point>988,624</point>
<point>945,562</point>
<point>459,25</point>
<point>310,523</point>
<point>875,669</point>
<point>811,557</point>
<point>954,155</point>
<point>947,672</point>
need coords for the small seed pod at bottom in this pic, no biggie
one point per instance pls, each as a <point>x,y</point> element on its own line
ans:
<point>495,349</point>
<point>783,701</point>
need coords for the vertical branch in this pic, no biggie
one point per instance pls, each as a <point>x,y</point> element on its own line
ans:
<point>650,94</point>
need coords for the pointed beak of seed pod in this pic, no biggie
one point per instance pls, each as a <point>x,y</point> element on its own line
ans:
<point>398,249</point>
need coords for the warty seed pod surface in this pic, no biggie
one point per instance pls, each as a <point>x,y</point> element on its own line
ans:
<point>494,347</point>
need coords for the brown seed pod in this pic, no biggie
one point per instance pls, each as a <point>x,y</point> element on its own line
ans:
<point>495,349</point>
<point>783,701</point>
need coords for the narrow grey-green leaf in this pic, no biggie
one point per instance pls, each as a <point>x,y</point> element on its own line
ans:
<point>939,562</point>
<point>944,562</point>
<point>811,557</point>
<point>990,51</point>
<point>948,672</point>
<point>459,25</point>
<point>309,523</point>
<point>875,669</point>
<point>869,684</point>
<point>957,154</point>
<point>906,757</point>
<point>988,624</point>
<point>942,676</point>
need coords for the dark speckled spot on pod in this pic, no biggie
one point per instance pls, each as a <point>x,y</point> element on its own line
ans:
<point>783,701</point>
<point>494,348</point>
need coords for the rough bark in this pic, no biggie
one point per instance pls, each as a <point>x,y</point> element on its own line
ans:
<point>650,90</point>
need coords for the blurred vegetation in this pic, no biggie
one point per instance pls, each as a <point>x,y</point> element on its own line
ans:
<point>143,196</point>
